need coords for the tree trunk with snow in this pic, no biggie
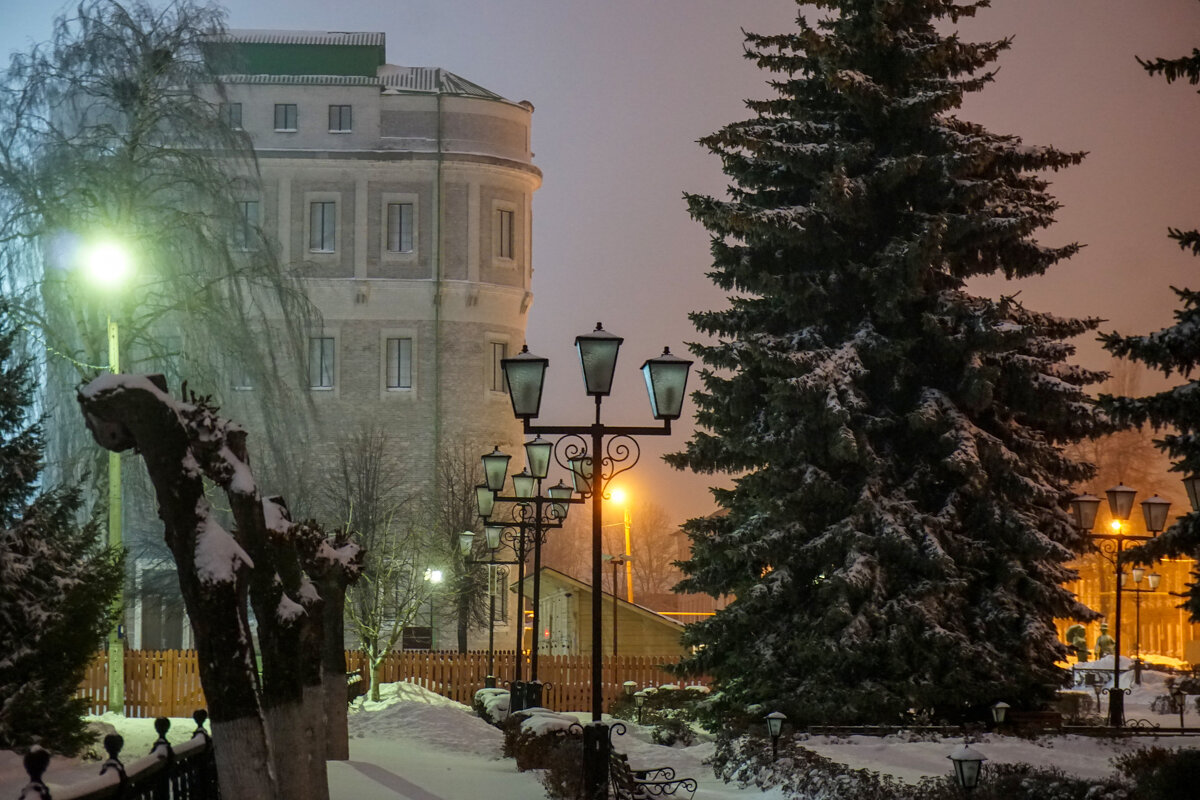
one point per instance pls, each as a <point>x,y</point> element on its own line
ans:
<point>126,412</point>
<point>280,725</point>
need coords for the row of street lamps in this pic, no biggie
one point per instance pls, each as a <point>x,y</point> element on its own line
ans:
<point>1112,547</point>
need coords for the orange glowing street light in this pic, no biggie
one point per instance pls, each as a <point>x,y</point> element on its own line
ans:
<point>619,497</point>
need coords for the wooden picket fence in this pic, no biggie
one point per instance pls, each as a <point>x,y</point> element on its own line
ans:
<point>158,683</point>
<point>166,683</point>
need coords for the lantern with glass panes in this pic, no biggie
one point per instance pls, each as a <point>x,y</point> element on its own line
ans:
<point>595,454</point>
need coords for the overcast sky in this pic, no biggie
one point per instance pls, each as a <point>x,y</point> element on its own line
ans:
<point>623,88</point>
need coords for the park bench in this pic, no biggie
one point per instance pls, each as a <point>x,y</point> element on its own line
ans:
<point>357,684</point>
<point>643,784</point>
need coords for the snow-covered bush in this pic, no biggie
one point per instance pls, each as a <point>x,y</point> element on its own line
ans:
<point>1161,773</point>
<point>532,735</point>
<point>491,705</point>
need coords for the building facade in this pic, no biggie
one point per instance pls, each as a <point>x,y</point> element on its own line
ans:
<point>401,196</point>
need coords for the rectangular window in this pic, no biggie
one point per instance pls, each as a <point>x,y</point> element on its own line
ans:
<point>231,114</point>
<point>339,119</point>
<point>400,227</point>
<point>320,362</point>
<point>285,116</point>
<point>322,226</point>
<point>399,363</point>
<point>245,231</point>
<point>504,233</point>
<point>499,352</point>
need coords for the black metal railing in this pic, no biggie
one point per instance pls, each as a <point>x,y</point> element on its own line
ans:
<point>183,772</point>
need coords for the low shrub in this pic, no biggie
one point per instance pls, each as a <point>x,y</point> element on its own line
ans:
<point>1159,773</point>
<point>563,776</point>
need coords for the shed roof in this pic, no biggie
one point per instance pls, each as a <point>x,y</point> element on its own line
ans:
<point>269,36</point>
<point>567,580</point>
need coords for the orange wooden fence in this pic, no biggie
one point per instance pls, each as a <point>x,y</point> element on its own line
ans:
<point>167,682</point>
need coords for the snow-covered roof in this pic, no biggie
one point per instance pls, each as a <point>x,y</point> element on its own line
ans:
<point>431,80</point>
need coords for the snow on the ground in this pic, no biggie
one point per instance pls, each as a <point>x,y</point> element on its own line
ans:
<point>417,745</point>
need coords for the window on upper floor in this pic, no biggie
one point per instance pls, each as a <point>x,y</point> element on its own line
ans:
<point>245,227</point>
<point>340,120</point>
<point>320,362</point>
<point>322,226</point>
<point>503,240</point>
<point>231,114</point>
<point>499,353</point>
<point>286,116</point>
<point>399,363</point>
<point>400,227</point>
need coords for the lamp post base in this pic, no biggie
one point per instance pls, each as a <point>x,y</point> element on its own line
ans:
<point>596,753</point>
<point>1116,707</point>
<point>489,682</point>
<point>516,697</point>
<point>533,694</point>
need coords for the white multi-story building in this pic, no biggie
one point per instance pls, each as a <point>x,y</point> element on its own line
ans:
<point>401,196</point>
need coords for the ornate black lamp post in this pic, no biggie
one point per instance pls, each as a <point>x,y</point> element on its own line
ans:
<point>582,449</point>
<point>1152,580</point>
<point>533,515</point>
<point>465,541</point>
<point>1111,546</point>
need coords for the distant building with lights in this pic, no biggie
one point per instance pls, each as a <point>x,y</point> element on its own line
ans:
<point>402,197</point>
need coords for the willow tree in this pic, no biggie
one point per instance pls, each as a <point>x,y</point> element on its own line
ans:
<point>112,132</point>
<point>895,534</point>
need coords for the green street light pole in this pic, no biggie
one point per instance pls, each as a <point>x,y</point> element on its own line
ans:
<point>108,264</point>
<point>116,644</point>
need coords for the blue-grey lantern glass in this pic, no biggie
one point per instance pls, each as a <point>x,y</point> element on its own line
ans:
<point>666,382</point>
<point>525,374</point>
<point>523,484</point>
<point>537,456</point>
<point>598,357</point>
<point>492,533</point>
<point>1083,509</point>
<point>485,499</point>
<point>967,765</point>
<point>581,473</point>
<point>560,491</point>
<point>465,540</point>
<point>495,468</point>
<point>1120,501</point>
<point>1154,512</point>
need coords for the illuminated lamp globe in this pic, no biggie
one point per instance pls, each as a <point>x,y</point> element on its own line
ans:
<point>598,358</point>
<point>1120,501</point>
<point>666,383</point>
<point>1154,512</point>
<point>525,375</point>
<point>107,264</point>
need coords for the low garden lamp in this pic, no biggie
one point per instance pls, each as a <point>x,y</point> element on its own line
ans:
<point>1000,712</point>
<point>968,764</point>
<point>1192,484</point>
<point>639,700</point>
<point>775,727</point>
<point>630,688</point>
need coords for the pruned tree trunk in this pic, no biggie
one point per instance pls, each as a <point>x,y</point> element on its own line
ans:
<point>124,412</point>
<point>294,576</point>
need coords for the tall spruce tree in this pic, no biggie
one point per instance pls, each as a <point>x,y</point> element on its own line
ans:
<point>56,584</point>
<point>895,536</point>
<point>1175,351</point>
